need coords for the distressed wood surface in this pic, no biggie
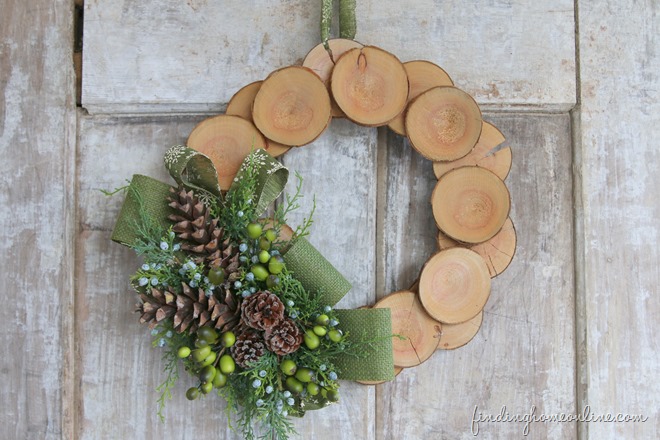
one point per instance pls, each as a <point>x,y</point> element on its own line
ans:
<point>620,167</point>
<point>523,354</point>
<point>172,55</point>
<point>37,135</point>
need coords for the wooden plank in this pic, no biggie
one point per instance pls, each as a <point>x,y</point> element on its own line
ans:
<point>523,356</point>
<point>339,169</point>
<point>193,56</point>
<point>37,135</point>
<point>620,169</point>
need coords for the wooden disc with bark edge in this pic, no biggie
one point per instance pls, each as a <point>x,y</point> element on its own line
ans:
<point>292,107</point>
<point>422,76</point>
<point>497,252</point>
<point>443,123</point>
<point>410,320</point>
<point>397,371</point>
<point>457,335</point>
<point>470,204</point>
<point>227,141</point>
<point>454,285</point>
<point>321,62</point>
<point>241,105</point>
<point>370,86</point>
<point>498,162</point>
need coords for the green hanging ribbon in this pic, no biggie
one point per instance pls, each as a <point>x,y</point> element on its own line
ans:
<point>347,22</point>
<point>147,197</point>
<point>326,22</point>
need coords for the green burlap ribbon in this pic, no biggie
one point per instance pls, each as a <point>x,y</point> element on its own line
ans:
<point>194,171</point>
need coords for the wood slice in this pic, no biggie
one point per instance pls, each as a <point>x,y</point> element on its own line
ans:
<point>292,107</point>
<point>445,242</point>
<point>397,371</point>
<point>226,140</point>
<point>422,76</point>
<point>321,62</point>
<point>457,335</point>
<point>454,285</point>
<point>498,252</point>
<point>443,123</point>
<point>498,162</point>
<point>241,105</point>
<point>410,320</point>
<point>370,85</point>
<point>470,204</point>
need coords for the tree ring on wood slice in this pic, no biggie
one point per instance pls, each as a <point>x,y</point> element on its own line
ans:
<point>241,105</point>
<point>454,286</point>
<point>422,76</point>
<point>443,123</point>
<point>397,371</point>
<point>370,86</point>
<point>321,62</point>
<point>227,141</point>
<point>470,204</point>
<point>292,107</point>
<point>482,155</point>
<point>410,320</point>
<point>457,335</point>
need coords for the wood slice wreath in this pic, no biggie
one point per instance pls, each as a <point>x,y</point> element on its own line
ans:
<point>417,99</point>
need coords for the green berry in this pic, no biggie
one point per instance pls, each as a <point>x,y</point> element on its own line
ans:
<point>331,395</point>
<point>208,360</point>
<point>200,354</point>
<point>264,256</point>
<point>294,385</point>
<point>323,320</point>
<point>288,367</point>
<point>200,343</point>
<point>264,244</point>
<point>276,264</point>
<point>272,281</point>
<point>319,330</point>
<point>207,387</point>
<point>313,389</point>
<point>271,235</point>
<point>228,339</point>
<point>208,334</point>
<point>183,352</point>
<point>335,335</point>
<point>217,276</point>
<point>254,230</point>
<point>305,375</point>
<point>220,379</point>
<point>260,272</point>
<point>192,393</point>
<point>227,364</point>
<point>207,374</point>
<point>311,340</point>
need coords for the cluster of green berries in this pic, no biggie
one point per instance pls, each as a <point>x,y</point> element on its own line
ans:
<point>323,326</point>
<point>266,263</point>
<point>211,364</point>
<point>305,380</point>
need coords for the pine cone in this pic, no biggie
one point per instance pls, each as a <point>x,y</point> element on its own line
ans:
<point>262,310</point>
<point>202,235</point>
<point>195,310</point>
<point>249,347</point>
<point>283,338</point>
<point>156,307</point>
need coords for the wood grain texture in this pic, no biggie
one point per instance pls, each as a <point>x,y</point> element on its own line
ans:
<point>340,170</point>
<point>524,354</point>
<point>620,171</point>
<point>511,54</point>
<point>37,140</point>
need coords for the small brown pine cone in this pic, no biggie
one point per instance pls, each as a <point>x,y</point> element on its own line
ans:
<point>157,306</point>
<point>283,338</point>
<point>249,347</point>
<point>262,310</point>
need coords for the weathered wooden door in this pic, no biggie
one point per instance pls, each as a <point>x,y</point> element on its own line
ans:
<point>152,70</point>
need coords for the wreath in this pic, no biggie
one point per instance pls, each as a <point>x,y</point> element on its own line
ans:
<point>245,304</point>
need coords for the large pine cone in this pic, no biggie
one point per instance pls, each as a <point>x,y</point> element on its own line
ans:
<point>249,347</point>
<point>262,310</point>
<point>190,309</point>
<point>283,338</point>
<point>202,235</point>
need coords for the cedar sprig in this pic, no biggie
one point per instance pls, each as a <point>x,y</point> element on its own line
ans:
<point>239,208</point>
<point>293,203</point>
